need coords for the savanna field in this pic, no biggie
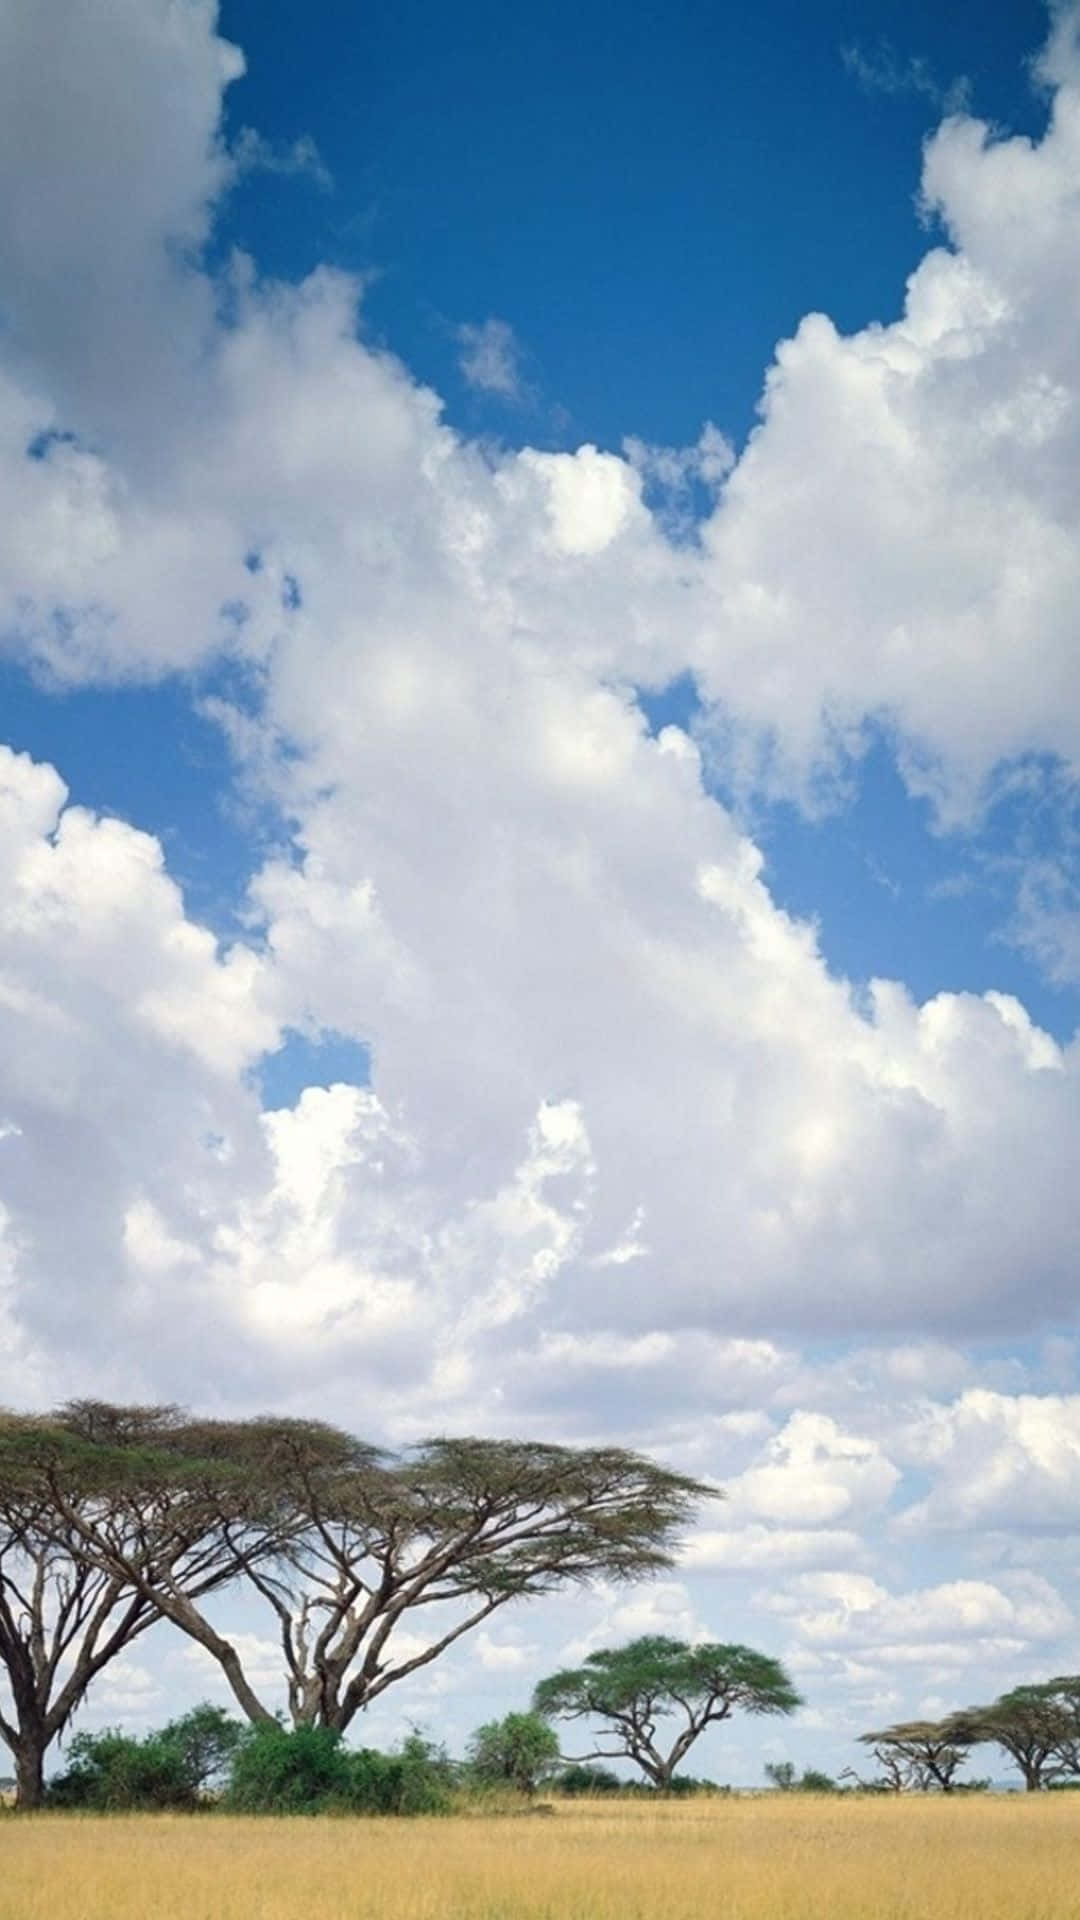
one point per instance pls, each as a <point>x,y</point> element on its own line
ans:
<point>774,1858</point>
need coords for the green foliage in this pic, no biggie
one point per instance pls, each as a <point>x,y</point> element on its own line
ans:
<point>581,1781</point>
<point>661,1674</point>
<point>276,1769</point>
<point>173,1767</point>
<point>1037,1725</point>
<point>517,1751</point>
<point>423,1777</point>
<point>204,1741</point>
<point>630,1688</point>
<point>781,1775</point>
<point>289,1770</point>
<point>111,1773</point>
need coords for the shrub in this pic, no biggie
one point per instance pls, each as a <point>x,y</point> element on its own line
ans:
<point>111,1772</point>
<point>579,1781</point>
<point>307,1770</point>
<point>418,1778</point>
<point>204,1742</point>
<point>278,1769</point>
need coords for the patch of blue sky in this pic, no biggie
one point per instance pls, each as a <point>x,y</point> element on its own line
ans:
<point>310,1061</point>
<point>650,198</point>
<point>894,898</point>
<point>148,755</point>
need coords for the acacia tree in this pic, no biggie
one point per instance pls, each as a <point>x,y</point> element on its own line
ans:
<point>1038,1726</point>
<point>632,1688</point>
<point>343,1542</point>
<point>66,1611</point>
<point>918,1755</point>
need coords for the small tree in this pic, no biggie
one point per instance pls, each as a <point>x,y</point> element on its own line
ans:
<point>204,1742</point>
<point>918,1755</point>
<point>514,1752</point>
<point>630,1689</point>
<point>781,1775</point>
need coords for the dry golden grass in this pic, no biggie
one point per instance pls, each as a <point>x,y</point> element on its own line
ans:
<point>775,1858</point>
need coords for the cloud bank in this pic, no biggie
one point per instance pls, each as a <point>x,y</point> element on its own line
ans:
<point>626,1136</point>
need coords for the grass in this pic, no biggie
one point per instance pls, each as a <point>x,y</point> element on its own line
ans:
<point>774,1858</point>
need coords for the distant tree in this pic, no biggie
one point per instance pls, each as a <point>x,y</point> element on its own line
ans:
<point>812,1780</point>
<point>631,1689</point>
<point>1038,1726</point>
<point>516,1751</point>
<point>781,1775</point>
<point>918,1755</point>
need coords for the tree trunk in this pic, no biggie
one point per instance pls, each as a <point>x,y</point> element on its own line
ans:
<point>29,1772</point>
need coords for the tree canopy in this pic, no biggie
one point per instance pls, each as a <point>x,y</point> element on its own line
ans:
<point>918,1754</point>
<point>632,1689</point>
<point>341,1540</point>
<point>517,1751</point>
<point>1038,1726</point>
<point>91,1499</point>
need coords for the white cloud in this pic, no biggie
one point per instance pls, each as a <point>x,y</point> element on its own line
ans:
<point>627,1139</point>
<point>252,153</point>
<point>491,358</point>
<point>757,1548</point>
<point>998,1460</point>
<point>812,1473</point>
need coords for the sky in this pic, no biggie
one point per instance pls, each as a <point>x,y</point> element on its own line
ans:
<point>539,730</point>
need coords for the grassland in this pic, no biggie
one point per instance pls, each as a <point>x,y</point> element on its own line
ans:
<point>740,1859</point>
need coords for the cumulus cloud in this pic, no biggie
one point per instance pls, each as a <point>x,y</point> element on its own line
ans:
<point>998,1461</point>
<point>814,1473</point>
<point>961,1622</point>
<point>628,1141</point>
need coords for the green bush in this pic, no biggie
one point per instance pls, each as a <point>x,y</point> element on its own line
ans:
<point>307,1770</point>
<point>111,1772</point>
<point>579,1781</point>
<point>278,1769</point>
<point>417,1778</point>
<point>174,1767</point>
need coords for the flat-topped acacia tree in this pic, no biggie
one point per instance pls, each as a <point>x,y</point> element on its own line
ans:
<point>93,1474</point>
<point>344,1542</point>
<point>630,1690</point>
<point>1037,1725</point>
<point>918,1755</point>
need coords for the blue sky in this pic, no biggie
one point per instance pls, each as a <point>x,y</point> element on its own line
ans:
<point>538,739</point>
